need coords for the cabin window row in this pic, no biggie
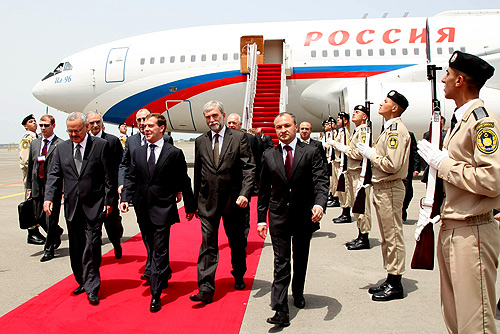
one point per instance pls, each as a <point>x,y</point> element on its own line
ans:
<point>182,59</point>
<point>381,52</point>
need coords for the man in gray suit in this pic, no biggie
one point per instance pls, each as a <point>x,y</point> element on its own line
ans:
<point>82,167</point>
<point>223,181</point>
<point>39,161</point>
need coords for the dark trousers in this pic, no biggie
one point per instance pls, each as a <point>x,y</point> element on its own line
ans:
<point>85,250</point>
<point>113,225</point>
<point>147,238</point>
<point>408,193</point>
<point>286,245</point>
<point>160,264</point>
<point>209,251</point>
<point>50,224</point>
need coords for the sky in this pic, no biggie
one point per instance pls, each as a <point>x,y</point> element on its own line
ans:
<point>35,35</point>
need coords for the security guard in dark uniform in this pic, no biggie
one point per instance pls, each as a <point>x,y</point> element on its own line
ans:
<point>468,244</point>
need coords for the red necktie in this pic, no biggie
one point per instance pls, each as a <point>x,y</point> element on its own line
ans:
<point>288,161</point>
<point>41,165</point>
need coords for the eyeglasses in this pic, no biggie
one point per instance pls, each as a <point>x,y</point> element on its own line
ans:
<point>74,131</point>
<point>44,125</point>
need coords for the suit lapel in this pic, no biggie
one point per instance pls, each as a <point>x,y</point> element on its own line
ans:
<point>70,155</point>
<point>88,151</point>
<point>278,160</point>
<point>299,153</point>
<point>52,146</point>
<point>208,143</point>
<point>165,151</point>
<point>228,137</point>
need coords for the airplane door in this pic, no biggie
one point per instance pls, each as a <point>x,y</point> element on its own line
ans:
<point>274,51</point>
<point>115,66</point>
<point>179,115</point>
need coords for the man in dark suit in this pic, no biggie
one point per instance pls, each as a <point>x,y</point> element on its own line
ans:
<point>113,222</point>
<point>82,168</point>
<point>39,161</point>
<point>158,173</point>
<point>266,139</point>
<point>223,182</point>
<point>294,183</point>
<point>134,142</point>
<point>305,130</point>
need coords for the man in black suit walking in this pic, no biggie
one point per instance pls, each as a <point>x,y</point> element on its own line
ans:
<point>134,142</point>
<point>39,161</point>
<point>294,189</point>
<point>158,173</point>
<point>223,182</point>
<point>81,167</point>
<point>266,139</point>
<point>113,222</point>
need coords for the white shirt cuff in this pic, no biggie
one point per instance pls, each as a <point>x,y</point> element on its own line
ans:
<point>262,224</point>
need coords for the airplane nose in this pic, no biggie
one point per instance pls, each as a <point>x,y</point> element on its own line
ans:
<point>38,91</point>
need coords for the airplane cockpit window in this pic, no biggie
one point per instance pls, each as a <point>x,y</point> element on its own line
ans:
<point>313,53</point>
<point>324,53</point>
<point>172,59</point>
<point>59,68</point>
<point>67,66</point>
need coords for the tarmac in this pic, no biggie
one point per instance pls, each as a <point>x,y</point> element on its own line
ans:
<point>336,291</point>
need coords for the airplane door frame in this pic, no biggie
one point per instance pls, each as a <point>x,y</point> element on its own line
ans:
<point>168,112</point>
<point>115,65</point>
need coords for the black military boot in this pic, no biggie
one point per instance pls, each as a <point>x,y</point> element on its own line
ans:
<point>345,217</point>
<point>362,243</point>
<point>392,290</point>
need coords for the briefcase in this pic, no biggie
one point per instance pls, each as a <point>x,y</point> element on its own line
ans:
<point>26,214</point>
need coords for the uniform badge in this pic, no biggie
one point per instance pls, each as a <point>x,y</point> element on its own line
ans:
<point>25,143</point>
<point>453,58</point>
<point>487,141</point>
<point>392,143</point>
<point>363,137</point>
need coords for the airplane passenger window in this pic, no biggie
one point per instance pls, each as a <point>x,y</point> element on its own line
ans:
<point>381,52</point>
<point>183,59</point>
<point>67,67</point>
<point>143,60</point>
<point>440,51</point>
<point>193,58</point>
<point>416,51</point>
<point>335,53</point>
<point>370,52</point>
<point>462,48</point>
<point>224,56</point>
<point>162,60</point>
<point>214,57</point>
<point>358,52</point>
<point>172,59</point>
<point>405,51</point>
<point>324,53</point>
<point>152,60</point>
<point>203,57</point>
<point>347,53</point>
<point>393,52</point>
<point>451,50</point>
<point>313,54</point>
<point>236,56</point>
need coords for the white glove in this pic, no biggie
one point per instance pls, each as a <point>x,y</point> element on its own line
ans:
<point>365,149</point>
<point>423,220</point>
<point>331,142</point>
<point>340,147</point>
<point>432,155</point>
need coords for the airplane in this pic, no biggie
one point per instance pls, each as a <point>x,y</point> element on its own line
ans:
<point>323,64</point>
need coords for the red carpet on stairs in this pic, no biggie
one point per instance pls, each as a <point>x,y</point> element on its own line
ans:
<point>124,299</point>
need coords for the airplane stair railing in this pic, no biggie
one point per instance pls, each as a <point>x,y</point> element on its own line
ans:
<point>283,87</point>
<point>251,86</point>
<point>267,98</point>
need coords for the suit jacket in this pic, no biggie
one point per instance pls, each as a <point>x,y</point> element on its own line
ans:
<point>268,141</point>
<point>322,152</point>
<point>115,147</point>
<point>132,143</point>
<point>216,188</point>
<point>32,176</point>
<point>157,192</point>
<point>93,188</point>
<point>290,202</point>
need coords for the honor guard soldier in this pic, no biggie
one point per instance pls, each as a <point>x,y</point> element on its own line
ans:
<point>329,133</point>
<point>354,165</point>
<point>469,163</point>
<point>123,133</point>
<point>343,137</point>
<point>29,123</point>
<point>389,159</point>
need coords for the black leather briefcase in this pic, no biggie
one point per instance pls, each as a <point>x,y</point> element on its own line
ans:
<point>26,214</point>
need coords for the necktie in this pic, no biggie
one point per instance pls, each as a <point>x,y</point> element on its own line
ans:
<point>453,122</point>
<point>143,141</point>
<point>216,150</point>
<point>151,160</point>
<point>288,161</point>
<point>78,158</point>
<point>41,165</point>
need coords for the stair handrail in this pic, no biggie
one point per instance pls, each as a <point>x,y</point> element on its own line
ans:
<point>283,88</point>
<point>251,86</point>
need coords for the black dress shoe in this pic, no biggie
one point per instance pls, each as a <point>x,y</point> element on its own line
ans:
<point>361,243</point>
<point>203,297</point>
<point>342,219</point>
<point>155,305</point>
<point>239,284</point>
<point>280,318</point>
<point>299,302</point>
<point>375,289</point>
<point>352,242</point>
<point>36,238</point>
<point>118,252</point>
<point>79,290</point>
<point>389,293</point>
<point>335,203</point>
<point>93,298</point>
<point>47,256</point>
<point>146,276</point>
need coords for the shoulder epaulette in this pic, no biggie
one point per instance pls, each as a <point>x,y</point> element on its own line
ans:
<point>480,113</point>
<point>394,127</point>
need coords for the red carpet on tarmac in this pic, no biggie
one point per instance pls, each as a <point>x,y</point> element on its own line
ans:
<point>124,299</point>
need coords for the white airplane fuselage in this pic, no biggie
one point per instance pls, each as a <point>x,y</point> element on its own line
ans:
<point>177,71</point>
